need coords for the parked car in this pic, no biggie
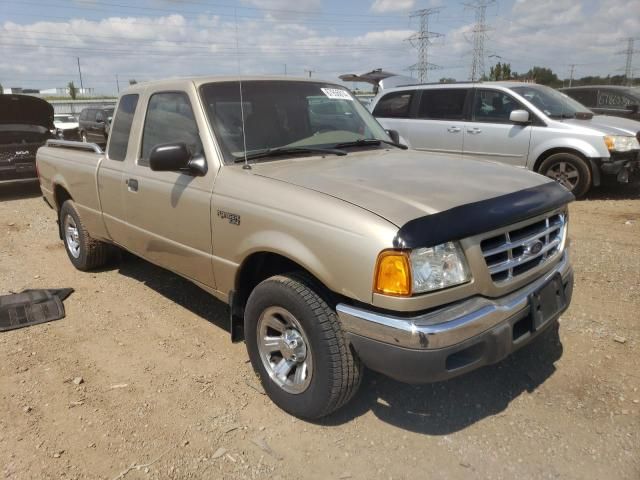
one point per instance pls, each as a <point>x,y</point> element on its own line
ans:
<point>521,124</point>
<point>608,99</point>
<point>66,126</point>
<point>335,247</point>
<point>26,123</point>
<point>95,123</point>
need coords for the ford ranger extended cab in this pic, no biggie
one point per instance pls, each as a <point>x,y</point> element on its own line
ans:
<point>335,247</point>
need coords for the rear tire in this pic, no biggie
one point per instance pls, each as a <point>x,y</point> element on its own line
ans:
<point>306,365</point>
<point>569,170</point>
<point>84,252</point>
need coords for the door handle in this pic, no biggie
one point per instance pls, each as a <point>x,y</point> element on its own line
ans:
<point>132,183</point>
<point>453,129</point>
<point>474,131</point>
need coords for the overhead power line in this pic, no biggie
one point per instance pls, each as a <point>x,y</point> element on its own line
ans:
<point>421,40</point>
<point>479,31</point>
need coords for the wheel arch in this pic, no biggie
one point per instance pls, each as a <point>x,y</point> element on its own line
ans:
<point>591,163</point>
<point>257,267</point>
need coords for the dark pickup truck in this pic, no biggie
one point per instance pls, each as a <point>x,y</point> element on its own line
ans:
<point>25,125</point>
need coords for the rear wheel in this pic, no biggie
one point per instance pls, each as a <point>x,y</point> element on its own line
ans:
<point>569,170</point>
<point>84,252</point>
<point>297,347</point>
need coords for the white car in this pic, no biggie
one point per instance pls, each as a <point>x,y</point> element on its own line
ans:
<point>521,124</point>
<point>66,126</point>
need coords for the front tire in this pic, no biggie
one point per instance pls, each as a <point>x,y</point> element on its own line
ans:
<point>84,252</point>
<point>569,170</point>
<point>297,347</point>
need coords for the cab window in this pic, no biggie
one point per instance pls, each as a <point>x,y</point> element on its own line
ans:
<point>169,119</point>
<point>121,129</point>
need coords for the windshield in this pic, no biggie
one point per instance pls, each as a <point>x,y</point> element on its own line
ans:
<point>287,115</point>
<point>551,102</point>
<point>64,118</point>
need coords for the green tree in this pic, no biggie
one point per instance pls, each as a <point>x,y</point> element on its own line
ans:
<point>73,91</point>
<point>543,76</point>
<point>501,71</point>
<point>1,89</point>
<point>447,80</point>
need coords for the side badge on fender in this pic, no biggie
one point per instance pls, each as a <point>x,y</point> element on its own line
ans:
<point>232,217</point>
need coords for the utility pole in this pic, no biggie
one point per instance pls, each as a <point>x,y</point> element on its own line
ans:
<point>628,69</point>
<point>309,72</point>
<point>573,67</point>
<point>479,31</point>
<point>117,83</point>
<point>80,73</point>
<point>421,40</point>
<point>285,69</point>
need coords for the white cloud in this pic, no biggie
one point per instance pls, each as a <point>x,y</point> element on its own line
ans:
<point>288,5</point>
<point>386,6</point>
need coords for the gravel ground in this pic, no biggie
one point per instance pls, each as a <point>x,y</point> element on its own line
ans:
<point>140,380</point>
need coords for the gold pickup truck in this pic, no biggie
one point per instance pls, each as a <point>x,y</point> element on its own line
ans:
<point>335,247</point>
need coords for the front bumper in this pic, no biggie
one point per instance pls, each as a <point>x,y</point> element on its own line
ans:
<point>623,166</point>
<point>452,340</point>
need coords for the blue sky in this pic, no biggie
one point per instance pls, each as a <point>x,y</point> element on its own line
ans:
<point>149,39</point>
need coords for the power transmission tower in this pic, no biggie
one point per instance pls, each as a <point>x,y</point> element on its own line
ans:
<point>479,31</point>
<point>628,69</point>
<point>421,40</point>
<point>573,67</point>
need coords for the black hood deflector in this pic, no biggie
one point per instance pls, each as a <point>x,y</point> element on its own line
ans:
<point>483,216</point>
<point>25,110</point>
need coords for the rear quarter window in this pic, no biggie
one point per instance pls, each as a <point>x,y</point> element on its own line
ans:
<point>121,128</point>
<point>394,105</point>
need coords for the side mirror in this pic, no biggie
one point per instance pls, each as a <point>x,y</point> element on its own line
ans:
<point>393,135</point>
<point>519,116</point>
<point>176,157</point>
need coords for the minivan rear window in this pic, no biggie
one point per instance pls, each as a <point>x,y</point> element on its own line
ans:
<point>442,104</point>
<point>394,105</point>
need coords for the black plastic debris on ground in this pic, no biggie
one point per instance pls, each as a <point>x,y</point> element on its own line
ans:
<point>31,307</point>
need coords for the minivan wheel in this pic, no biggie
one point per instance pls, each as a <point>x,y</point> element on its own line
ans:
<point>297,347</point>
<point>84,252</point>
<point>569,170</point>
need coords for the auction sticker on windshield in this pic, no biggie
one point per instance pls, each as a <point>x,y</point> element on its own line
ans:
<point>336,94</point>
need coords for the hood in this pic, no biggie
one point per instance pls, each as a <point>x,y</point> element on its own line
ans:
<point>608,125</point>
<point>25,110</point>
<point>401,185</point>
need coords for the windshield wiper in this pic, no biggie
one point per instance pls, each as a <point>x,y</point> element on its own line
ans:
<point>274,152</point>
<point>363,142</point>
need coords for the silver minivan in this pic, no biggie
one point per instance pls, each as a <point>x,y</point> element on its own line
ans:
<point>522,124</point>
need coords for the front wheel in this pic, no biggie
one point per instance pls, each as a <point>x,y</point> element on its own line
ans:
<point>297,347</point>
<point>569,170</point>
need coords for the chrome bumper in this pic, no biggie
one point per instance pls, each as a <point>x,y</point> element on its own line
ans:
<point>449,325</point>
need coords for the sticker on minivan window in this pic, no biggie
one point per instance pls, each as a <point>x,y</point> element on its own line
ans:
<point>336,94</point>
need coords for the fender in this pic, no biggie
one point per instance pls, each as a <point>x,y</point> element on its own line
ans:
<point>584,147</point>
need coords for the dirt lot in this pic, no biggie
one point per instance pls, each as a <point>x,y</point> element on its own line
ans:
<point>163,388</point>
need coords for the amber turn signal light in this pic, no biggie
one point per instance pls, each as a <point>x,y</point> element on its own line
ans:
<point>393,273</point>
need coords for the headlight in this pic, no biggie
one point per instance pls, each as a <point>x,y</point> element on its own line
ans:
<point>404,273</point>
<point>438,267</point>
<point>621,143</point>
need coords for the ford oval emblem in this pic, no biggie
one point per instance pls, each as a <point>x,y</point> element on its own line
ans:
<point>533,248</point>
